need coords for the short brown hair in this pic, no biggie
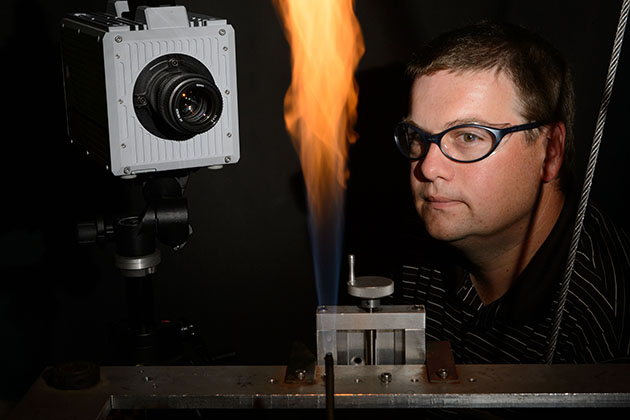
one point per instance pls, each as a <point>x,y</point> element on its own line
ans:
<point>539,72</point>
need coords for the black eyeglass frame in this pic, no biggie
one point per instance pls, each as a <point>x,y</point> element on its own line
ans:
<point>498,134</point>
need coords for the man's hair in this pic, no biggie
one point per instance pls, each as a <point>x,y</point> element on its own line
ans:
<point>539,72</point>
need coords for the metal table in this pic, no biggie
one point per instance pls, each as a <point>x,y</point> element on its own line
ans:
<point>402,387</point>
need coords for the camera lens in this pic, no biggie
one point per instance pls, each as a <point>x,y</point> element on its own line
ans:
<point>193,106</point>
<point>176,98</point>
<point>190,104</point>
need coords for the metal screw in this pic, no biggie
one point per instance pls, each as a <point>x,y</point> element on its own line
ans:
<point>301,374</point>
<point>227,91</point>
<point>173,62</point>
<point>386,377</point>
<point>272,381</point>
<point>416,307</point>
<point>357,381</point>
<point>229,135</point>
<point>221,32</point>
<point>471,379</point>
<point>225,48</point>
<point>118,38</point>
<point>228,159</point>
<point>442,373</point>
<point>127,170</point>
<point>123,146</point>
<point>322,308</point>
<point>142,100</point>
<point>120,101</point>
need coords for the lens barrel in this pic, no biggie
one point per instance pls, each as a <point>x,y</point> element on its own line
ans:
<point>175,98</point>
<point>189,104</point>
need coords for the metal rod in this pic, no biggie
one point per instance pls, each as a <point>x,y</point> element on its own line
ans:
<point>370,347</point>
<point>330,386</point>
<point>351,269</point>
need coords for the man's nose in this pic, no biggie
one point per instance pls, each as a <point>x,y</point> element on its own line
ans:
<point>434,165</point>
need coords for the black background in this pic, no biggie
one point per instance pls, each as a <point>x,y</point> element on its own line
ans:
<point>246,276</point>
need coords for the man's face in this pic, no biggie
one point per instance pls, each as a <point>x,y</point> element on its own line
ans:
<point>484,201</point>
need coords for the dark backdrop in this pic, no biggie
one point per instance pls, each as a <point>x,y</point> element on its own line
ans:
<point>246,277</point>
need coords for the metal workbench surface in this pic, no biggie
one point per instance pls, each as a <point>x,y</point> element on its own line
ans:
<point>407,386</point>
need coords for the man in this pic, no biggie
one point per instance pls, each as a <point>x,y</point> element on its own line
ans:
<point>489,135</point>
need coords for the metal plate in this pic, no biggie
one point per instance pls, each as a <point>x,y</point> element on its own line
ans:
<point>244,387</point>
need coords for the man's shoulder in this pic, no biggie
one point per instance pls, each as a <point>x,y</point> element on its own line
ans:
<point>425,267</point>
<point>598,302</point>
<point>604,248</point>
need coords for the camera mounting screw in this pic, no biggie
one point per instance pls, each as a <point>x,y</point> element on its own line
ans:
<point>118,38</point>
<point>221,31</point>
<point>141,100</point>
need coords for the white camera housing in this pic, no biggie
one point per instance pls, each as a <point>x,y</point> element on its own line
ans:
<point>104,55</point>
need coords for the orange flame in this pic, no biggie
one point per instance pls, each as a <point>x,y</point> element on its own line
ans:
<point>320,105</point>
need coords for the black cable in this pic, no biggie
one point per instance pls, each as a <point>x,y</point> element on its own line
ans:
<point>330,387</point>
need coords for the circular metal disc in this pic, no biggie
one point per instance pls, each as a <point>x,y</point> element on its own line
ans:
<point>371,287</point>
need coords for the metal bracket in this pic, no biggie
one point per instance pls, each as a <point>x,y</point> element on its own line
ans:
<point>440,363</point>
<point>397,334</point>
<point>301,367</point>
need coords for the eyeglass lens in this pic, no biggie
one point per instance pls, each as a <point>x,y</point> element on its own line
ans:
<point>463,143</point>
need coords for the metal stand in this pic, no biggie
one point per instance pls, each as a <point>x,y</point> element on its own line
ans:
<point>164,218</point>
<point>371,334</point>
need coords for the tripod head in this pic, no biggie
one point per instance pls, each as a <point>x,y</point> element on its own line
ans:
<point>161,216</point>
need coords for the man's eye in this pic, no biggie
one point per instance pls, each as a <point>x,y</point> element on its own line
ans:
<point>469,137</point>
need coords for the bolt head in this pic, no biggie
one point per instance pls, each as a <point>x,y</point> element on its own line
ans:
<point>386,377</point>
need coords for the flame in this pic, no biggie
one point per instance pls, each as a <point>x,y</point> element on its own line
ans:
<point>320,105</point>
<point>320,111</point>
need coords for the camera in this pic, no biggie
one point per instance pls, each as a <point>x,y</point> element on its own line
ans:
<point>151,92</point>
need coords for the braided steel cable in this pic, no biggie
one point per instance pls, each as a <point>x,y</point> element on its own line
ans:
<point>588,181</point>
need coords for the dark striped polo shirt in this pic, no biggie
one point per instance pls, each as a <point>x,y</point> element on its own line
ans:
<point>515,328</point>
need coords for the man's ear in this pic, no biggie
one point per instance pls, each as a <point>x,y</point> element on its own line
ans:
<point>554,151</point>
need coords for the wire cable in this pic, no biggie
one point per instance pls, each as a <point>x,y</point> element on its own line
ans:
<point>588,181</point>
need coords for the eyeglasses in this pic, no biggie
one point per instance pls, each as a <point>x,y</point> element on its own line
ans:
<point>462,143</point>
